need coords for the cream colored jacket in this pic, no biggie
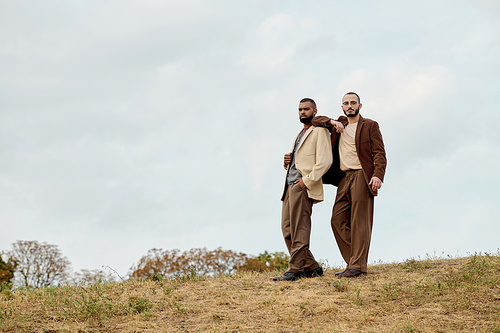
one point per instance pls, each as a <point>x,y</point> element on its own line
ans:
<point>313,159</point>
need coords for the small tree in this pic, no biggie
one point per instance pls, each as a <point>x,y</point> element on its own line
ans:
<point>157,262</point>
<point>276,260</point>
<point>225,262</point>
<point>266,262</point>
<point>172,263</point>
<point>38,264</point>
<point>87,276</point>
<point>6,271</point>
<point>215,262</point>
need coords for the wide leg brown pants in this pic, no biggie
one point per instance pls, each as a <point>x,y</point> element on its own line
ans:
<point>352,219</point>
<point>296,229</point>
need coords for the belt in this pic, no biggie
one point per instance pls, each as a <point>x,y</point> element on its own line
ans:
<point>351,170</point>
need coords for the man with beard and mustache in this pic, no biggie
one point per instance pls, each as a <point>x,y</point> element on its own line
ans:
<point>310,158</point>
<point>358,169</point>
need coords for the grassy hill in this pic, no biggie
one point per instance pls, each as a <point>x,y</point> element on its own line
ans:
<point>439,295</point>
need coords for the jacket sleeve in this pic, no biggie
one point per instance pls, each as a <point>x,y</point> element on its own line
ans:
<point>322,121</point>
<point>378,151</point>
<point>323,158</point>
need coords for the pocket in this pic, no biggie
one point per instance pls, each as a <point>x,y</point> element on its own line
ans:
<point>299,188</point>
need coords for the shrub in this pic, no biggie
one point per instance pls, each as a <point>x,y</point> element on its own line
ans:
<point>200,261</point>
<point>267,262</point>
<point>6,272</point>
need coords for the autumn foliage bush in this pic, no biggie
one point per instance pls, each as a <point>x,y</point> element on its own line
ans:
<point>174,263</point>
<point>6,272</point>
<point>33,265</point>
<point>267,262</point>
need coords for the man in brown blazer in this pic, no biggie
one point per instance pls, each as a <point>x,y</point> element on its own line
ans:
<point>358,169</point>
<point>310,158</point>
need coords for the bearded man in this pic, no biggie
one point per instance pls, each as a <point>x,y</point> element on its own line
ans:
<point>358,169</point>
<point>310,158</point>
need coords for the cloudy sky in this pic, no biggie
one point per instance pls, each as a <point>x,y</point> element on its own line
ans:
<point>131,125</point>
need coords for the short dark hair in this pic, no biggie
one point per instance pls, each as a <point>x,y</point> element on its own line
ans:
<point>310,100</point>
<point>353,93</point>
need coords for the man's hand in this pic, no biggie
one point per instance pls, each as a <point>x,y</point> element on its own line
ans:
<point>375,183</point>
<point>288,158</point>
<point>301,183</point>
<point>338,125</point>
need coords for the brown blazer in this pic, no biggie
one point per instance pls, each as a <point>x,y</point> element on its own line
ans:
<point>369,146</point>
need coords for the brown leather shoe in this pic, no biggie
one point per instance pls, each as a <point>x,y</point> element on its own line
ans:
<point>340,273</point>
<point>350,273</point>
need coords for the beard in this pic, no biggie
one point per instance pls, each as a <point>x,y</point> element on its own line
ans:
<point>356,111</point>
<point>306,120</point>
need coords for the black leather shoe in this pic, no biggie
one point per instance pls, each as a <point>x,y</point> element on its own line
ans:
<point>350,273</point>
<point>289,276</point>
<point>314,272</point>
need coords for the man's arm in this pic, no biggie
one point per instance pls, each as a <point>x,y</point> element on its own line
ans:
<point>323,121</point>
<point>379,157</point>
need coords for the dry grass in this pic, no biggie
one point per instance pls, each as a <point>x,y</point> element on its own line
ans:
<point>440,295</point>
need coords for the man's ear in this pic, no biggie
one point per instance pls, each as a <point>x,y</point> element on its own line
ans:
<point>314,112</point>
<point>360,106</point>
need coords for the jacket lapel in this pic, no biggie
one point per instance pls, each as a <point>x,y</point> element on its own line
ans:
<point>309,130</point>
<point>361,121</point>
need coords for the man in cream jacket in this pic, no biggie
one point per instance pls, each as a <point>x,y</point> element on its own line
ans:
<point>309,160</point>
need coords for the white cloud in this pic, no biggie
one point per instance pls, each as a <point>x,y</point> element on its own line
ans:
<point>274,45</point>
<point>271,51</point>
<point>127,126</point>
<point>402,89</point>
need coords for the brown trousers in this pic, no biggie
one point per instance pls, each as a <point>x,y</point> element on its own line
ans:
<point>352,219</point>
<point>296,228</point>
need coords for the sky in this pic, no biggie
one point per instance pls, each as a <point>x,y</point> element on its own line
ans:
<point>132,125</point>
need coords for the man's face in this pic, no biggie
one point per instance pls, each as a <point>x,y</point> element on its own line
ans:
<point>350,105</point>
<point>306,112</point>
